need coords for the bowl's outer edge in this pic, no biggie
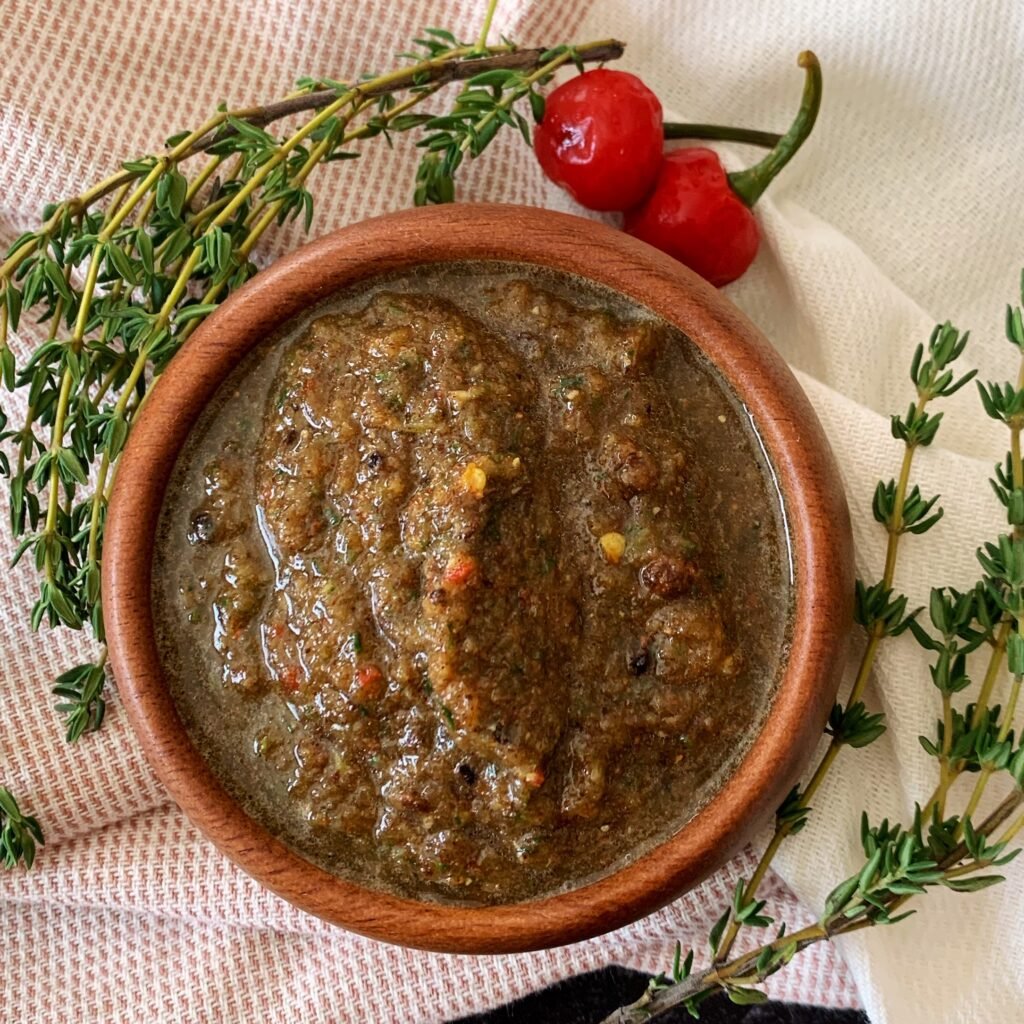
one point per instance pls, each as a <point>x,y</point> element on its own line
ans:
<point>816,507</point>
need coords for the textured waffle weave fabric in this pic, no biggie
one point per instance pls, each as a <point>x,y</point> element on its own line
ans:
<point>905,209</point>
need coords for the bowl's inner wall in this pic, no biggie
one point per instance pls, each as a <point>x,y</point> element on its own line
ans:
<point>224,724</point>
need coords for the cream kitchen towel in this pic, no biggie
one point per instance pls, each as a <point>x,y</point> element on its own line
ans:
<point>904,209</point>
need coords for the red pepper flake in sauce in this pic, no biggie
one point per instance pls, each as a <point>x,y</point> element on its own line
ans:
<point>290,678</point>
<point>370,680</point>
<point>462,569</point>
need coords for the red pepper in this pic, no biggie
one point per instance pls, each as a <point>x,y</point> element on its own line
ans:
<point>600,139</point>
<point>701,215</point>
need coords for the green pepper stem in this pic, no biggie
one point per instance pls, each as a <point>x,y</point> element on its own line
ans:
<point>750,183</point>
<point>721,133</point>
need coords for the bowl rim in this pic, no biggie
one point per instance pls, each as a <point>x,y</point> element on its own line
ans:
<point>819,533</point>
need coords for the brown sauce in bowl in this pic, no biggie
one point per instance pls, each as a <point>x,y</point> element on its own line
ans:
<point>474,583</point>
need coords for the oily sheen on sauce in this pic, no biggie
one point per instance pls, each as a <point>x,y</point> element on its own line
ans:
<point>472,584</point>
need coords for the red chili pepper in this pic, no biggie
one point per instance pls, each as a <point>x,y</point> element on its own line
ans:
<point>601,139</point>
<point>289,677</point>
<point>701,215</point>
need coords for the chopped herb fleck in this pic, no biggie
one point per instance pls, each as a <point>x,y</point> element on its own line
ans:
<point>567,384</point>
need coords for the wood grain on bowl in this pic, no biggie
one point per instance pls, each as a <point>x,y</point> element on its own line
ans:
<point>796,449</point>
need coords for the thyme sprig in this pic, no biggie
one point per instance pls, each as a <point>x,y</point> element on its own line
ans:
<point>953,852</point>
<point>126,271</point>
<point>879,609</point>
<point>899,865</point>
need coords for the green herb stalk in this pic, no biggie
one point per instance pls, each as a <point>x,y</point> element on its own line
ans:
<point>880,610</point>
<point>902,863</point>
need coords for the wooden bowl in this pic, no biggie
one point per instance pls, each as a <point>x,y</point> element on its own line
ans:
<point>815,508</point>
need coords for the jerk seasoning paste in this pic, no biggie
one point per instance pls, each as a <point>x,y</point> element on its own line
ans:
<point>473,585</point>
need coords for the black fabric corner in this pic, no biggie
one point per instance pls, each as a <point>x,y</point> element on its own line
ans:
<point>588,998</point>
